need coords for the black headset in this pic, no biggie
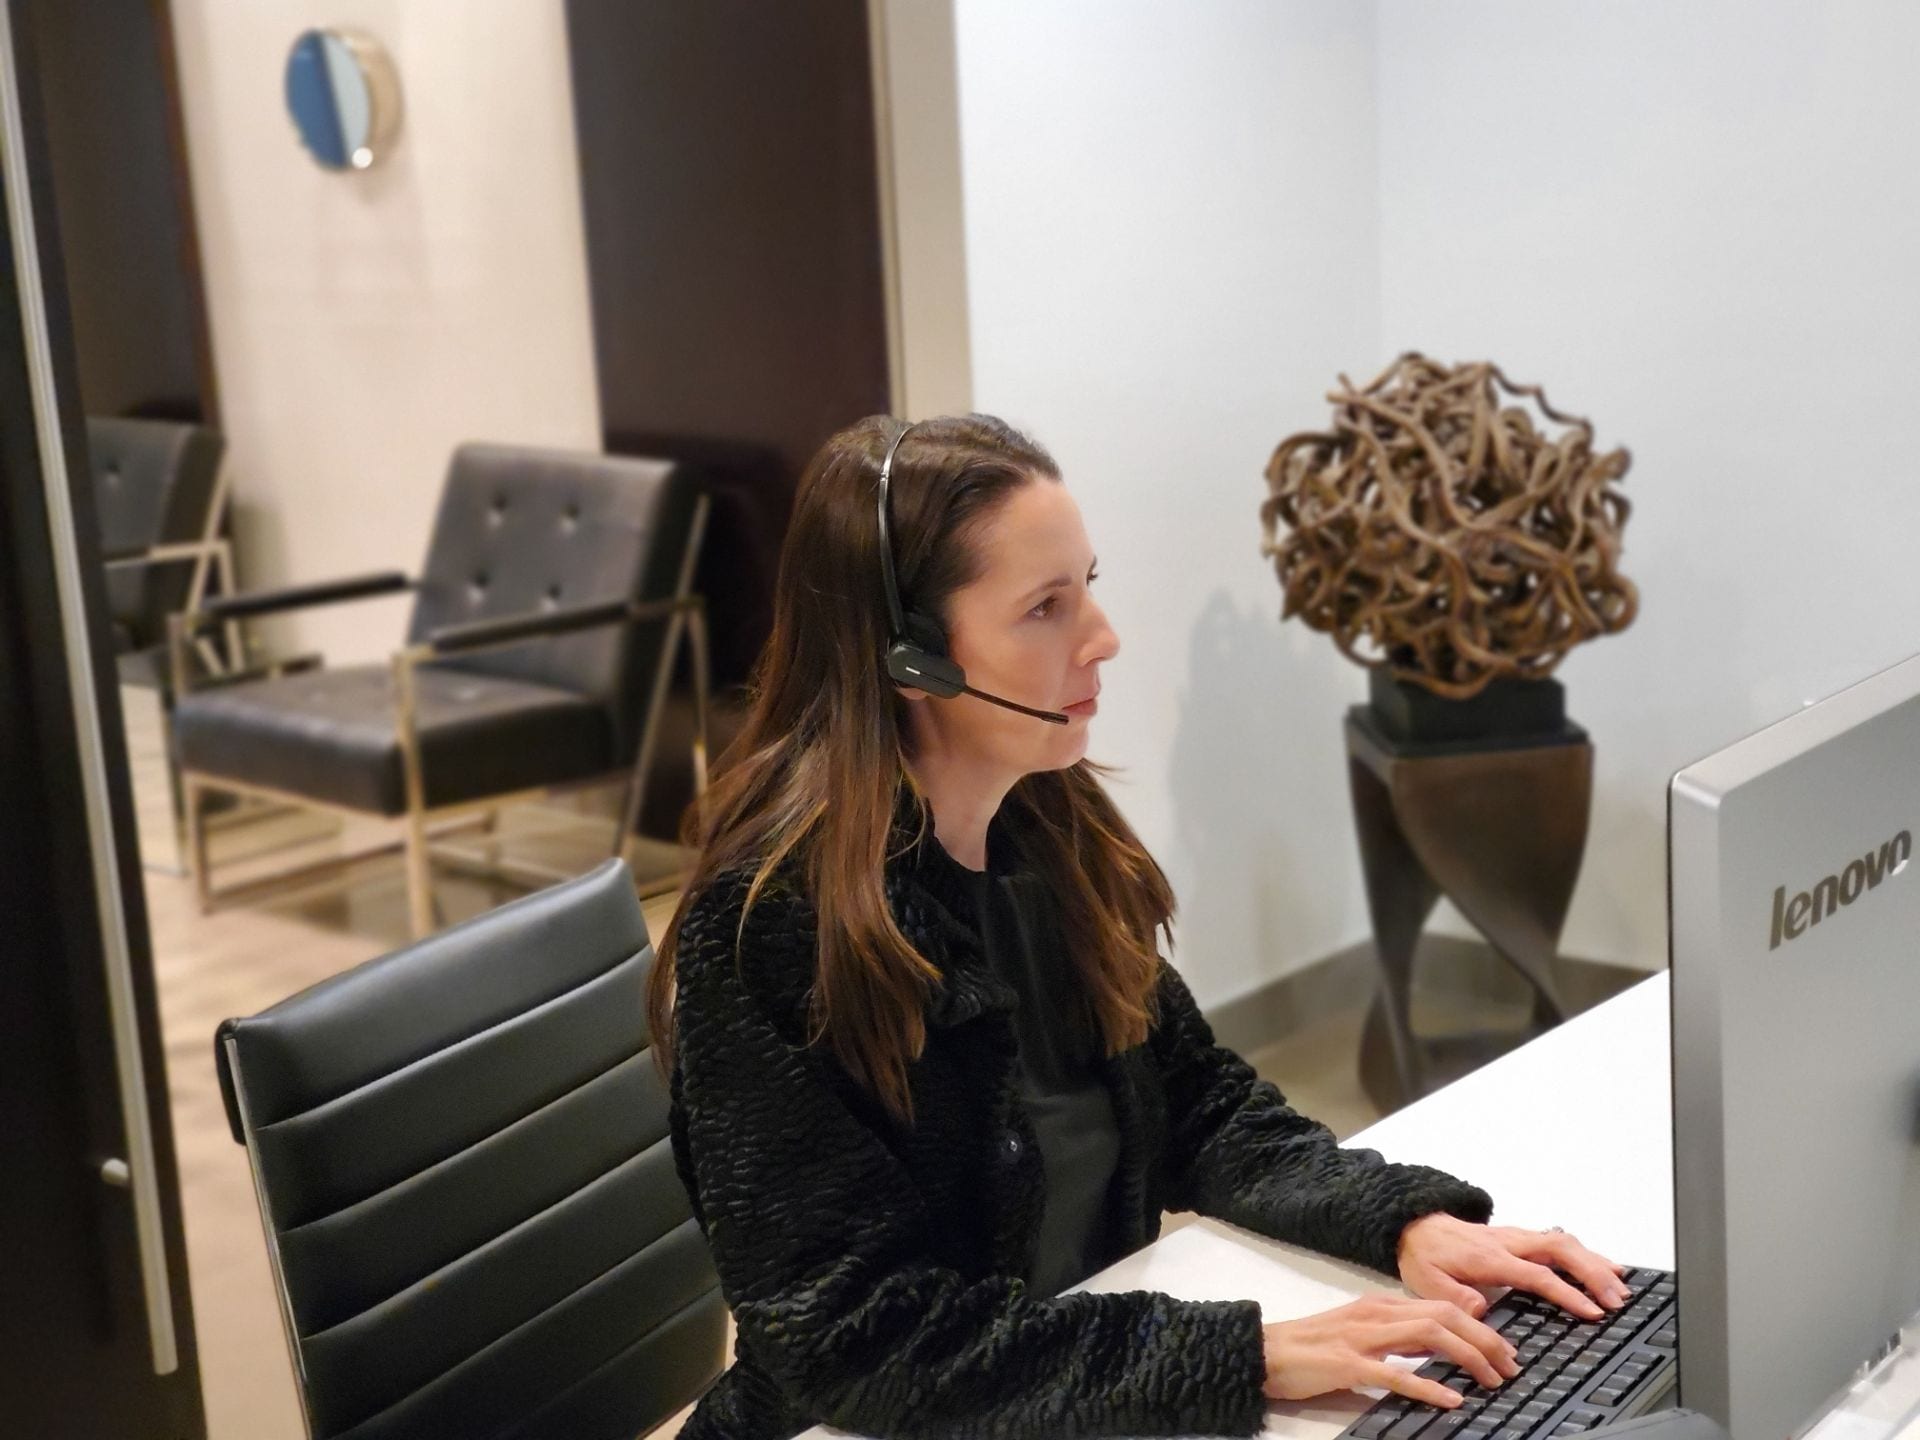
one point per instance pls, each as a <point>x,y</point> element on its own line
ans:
<point>916,643</point>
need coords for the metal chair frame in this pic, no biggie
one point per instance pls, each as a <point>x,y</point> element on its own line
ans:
<point>685,610</point>
<point>211,555</point>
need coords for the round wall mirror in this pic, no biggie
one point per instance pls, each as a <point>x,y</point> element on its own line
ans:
<point>344,95</point>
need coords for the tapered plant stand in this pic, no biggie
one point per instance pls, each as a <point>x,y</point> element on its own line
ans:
<point>1498,825</point>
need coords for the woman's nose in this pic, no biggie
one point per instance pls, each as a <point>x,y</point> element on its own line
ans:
<point>1103,643</point>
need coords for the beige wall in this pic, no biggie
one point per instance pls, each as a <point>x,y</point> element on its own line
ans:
<point>365,323</point>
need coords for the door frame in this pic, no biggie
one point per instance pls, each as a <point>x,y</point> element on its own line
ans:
<point>103,1320</point>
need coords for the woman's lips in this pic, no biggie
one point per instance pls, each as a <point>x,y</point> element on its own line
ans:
<point>1088,707</point>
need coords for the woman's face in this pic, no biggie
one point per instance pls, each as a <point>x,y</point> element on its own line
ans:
<point>1027,629</point>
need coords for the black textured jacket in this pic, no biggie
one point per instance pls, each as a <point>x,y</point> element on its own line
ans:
<point>872,1270</point>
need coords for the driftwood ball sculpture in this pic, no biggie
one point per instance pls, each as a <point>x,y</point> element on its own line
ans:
<point>1437,528</point>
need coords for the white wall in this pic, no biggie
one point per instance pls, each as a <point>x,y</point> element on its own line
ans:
<point>364,324</point>
<point>1170,239</point>
<point>1698,225</point>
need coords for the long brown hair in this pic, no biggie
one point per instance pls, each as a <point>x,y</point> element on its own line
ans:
<point>818,768</point>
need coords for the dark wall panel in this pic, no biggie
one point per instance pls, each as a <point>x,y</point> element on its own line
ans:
<point>730,189</point>
<point>125,208</point>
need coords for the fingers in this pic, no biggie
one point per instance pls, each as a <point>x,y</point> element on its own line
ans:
<point>1486,1341</point>
<point>1430,1282</point>
<point>1538,1279</point>
<point>1432,1336</point>
<point>1600,1276</point>
<point>1405,1382</point>
<point>1438,1285</point>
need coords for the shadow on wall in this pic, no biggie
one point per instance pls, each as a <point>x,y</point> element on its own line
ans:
<point>1714,636</point>
<point>1263,866</point>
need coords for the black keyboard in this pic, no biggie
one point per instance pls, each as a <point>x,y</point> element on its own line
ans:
<point>1574,1375</point>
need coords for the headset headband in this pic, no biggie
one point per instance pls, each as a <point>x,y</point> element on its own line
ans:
<point>886,538</point>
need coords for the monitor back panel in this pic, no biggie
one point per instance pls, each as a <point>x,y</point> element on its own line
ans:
<point>1795,906</point>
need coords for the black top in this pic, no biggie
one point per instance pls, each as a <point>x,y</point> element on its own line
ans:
<point>870,1280</point>
<point>1060,1085</point>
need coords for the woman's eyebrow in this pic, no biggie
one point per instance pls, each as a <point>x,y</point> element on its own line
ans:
<point>1057,581</point>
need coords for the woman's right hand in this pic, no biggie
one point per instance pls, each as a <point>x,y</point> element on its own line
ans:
<point>1346,1348</point>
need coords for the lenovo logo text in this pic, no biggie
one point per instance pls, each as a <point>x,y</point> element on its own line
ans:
<point>1810,907</point>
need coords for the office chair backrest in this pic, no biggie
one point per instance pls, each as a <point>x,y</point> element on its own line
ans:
<point>461,1156</point>
<point>153,484</point>
<point>523,529</point>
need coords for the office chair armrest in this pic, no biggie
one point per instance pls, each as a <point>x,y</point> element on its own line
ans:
<point>486,634</point>
<point>172,553</point>
<point>296,597</point>
<point>513,629</point>
<point>184,625</point>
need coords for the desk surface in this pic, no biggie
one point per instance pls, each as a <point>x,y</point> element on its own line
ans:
<point>1573,1129</point>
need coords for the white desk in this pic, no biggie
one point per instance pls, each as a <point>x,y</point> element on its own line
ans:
<point>1605,1174</point>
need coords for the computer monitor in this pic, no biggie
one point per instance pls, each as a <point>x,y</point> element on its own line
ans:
<point>1795,933</point>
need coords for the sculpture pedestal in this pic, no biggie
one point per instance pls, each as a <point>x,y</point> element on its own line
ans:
<point>1499,828</point>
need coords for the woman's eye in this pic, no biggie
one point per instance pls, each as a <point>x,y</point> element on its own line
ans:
<point>1045,607</point>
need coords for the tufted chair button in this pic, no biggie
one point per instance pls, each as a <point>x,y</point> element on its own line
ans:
<point>570,517</point>
<point>498,511</point>
<point>1013,1144</point>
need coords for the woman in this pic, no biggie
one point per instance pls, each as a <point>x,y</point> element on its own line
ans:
<point>928,1066</point>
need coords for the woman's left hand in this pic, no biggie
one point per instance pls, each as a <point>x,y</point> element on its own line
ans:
<point>1443,1258</point>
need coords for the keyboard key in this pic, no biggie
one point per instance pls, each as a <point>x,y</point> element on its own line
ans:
<point>1373,1424</point>
<point>1411,1425</point>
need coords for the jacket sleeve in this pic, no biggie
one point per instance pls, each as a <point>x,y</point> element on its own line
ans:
<point>1238,1151</point>
<point>823,1248</point>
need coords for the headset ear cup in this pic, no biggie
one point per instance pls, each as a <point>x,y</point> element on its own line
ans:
<point>925,632</point>
<point>917,669</point>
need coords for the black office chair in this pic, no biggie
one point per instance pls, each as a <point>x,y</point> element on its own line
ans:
<point>160,496</point>
<point>543,635</point>
<point>461,1157</point>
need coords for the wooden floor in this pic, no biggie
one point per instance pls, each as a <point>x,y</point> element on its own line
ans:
<point>243,958</point>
